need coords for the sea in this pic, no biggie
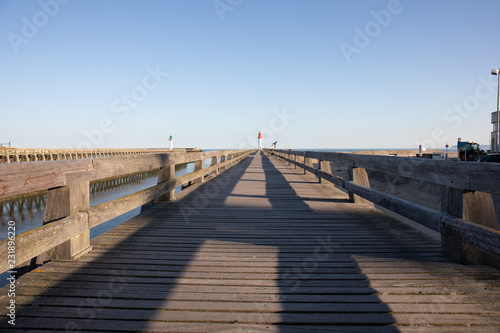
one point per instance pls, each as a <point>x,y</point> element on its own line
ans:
<point>27,211</point>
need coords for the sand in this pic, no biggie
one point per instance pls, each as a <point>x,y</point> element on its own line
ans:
<point>404,152</point>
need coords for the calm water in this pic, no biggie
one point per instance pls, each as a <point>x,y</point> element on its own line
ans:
<point>27,212</point>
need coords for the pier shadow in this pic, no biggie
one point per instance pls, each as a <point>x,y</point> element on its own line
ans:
<point>141,274</point>
<point>320,284</point>
<point>100,291</point>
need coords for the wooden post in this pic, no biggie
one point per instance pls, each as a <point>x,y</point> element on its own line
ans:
<point>479,208</point>
<point>308,162</point>
<point>359,176</point>
<point>222,160</point>
<point>452,201</point>
<point>325,167</point>
<point>212,163</point>
<point>198,165</point>
<point>62,202</point>
<point>342,170</point>
<point>166,173</point>
<point>472,206</point>
<point>295,160</point>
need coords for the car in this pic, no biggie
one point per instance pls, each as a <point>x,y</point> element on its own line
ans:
<point>495,158</point>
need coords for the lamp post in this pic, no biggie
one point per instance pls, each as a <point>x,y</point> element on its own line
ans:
<point>496,72</point>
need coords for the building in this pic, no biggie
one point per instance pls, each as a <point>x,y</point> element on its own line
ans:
<point>494,133</point>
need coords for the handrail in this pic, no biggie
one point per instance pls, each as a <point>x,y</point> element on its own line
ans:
<point>484,177</point>
<point>458,176</point>
<point>20,178</point>
<point>53,174</point>
<point>17,155</point>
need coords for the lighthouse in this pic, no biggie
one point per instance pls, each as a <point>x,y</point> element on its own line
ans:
<point>171,141</point>
<point>260,140</point>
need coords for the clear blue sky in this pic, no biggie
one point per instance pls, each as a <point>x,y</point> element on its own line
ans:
<point>310,74</point>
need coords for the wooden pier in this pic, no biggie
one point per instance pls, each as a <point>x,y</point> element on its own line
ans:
<point>16,155</point>
<point>262,247</point>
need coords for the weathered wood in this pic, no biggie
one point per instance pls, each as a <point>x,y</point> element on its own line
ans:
<point>270,306</point>
<point>476,207</point>
<point>360,176</point>
<point>212,163</point>
<point>112,167</point>
<point>452,201</point>
<point>30,177</point>
<point>265,248</point>
<point>74,198</point>
<point>44,238</point>
<point>198,166</point>
<point>222,162</point>
<point>111,209</point>
<point>63,202</point>
<point>324,166</point>
<point>166,173</point>
<point>479,208</point>
<point>106,211</point>
<point>426,216</point>
<point>33,155</point>
<point>307,162</point>
<point>484,177</point>
<point>470,243</point>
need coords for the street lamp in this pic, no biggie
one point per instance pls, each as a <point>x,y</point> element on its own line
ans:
<point>496,71</point>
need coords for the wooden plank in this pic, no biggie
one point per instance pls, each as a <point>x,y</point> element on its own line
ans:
<point>418,213</point>
<point>201,266</point>
<point>473,234</point>
<point>269,295</point>
<point>345,318</point>
<point>235,267</point>
<point>330,279</point>
<point>165,326</point>
<point>467,176</point>
<point>323,273</point>
<point>19,178</point>
<point>44,238</point>
<point>111,209</point>
<point>271,307</point>
<point>487,240</point>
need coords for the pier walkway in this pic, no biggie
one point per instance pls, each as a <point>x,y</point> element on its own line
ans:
<point>260,248</point>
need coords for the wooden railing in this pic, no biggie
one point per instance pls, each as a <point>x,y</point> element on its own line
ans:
<point>68,216</point>
<point>15,155</point>
<point>465,195</point>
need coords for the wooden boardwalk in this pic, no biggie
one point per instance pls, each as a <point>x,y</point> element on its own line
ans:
<point>261,248</point>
